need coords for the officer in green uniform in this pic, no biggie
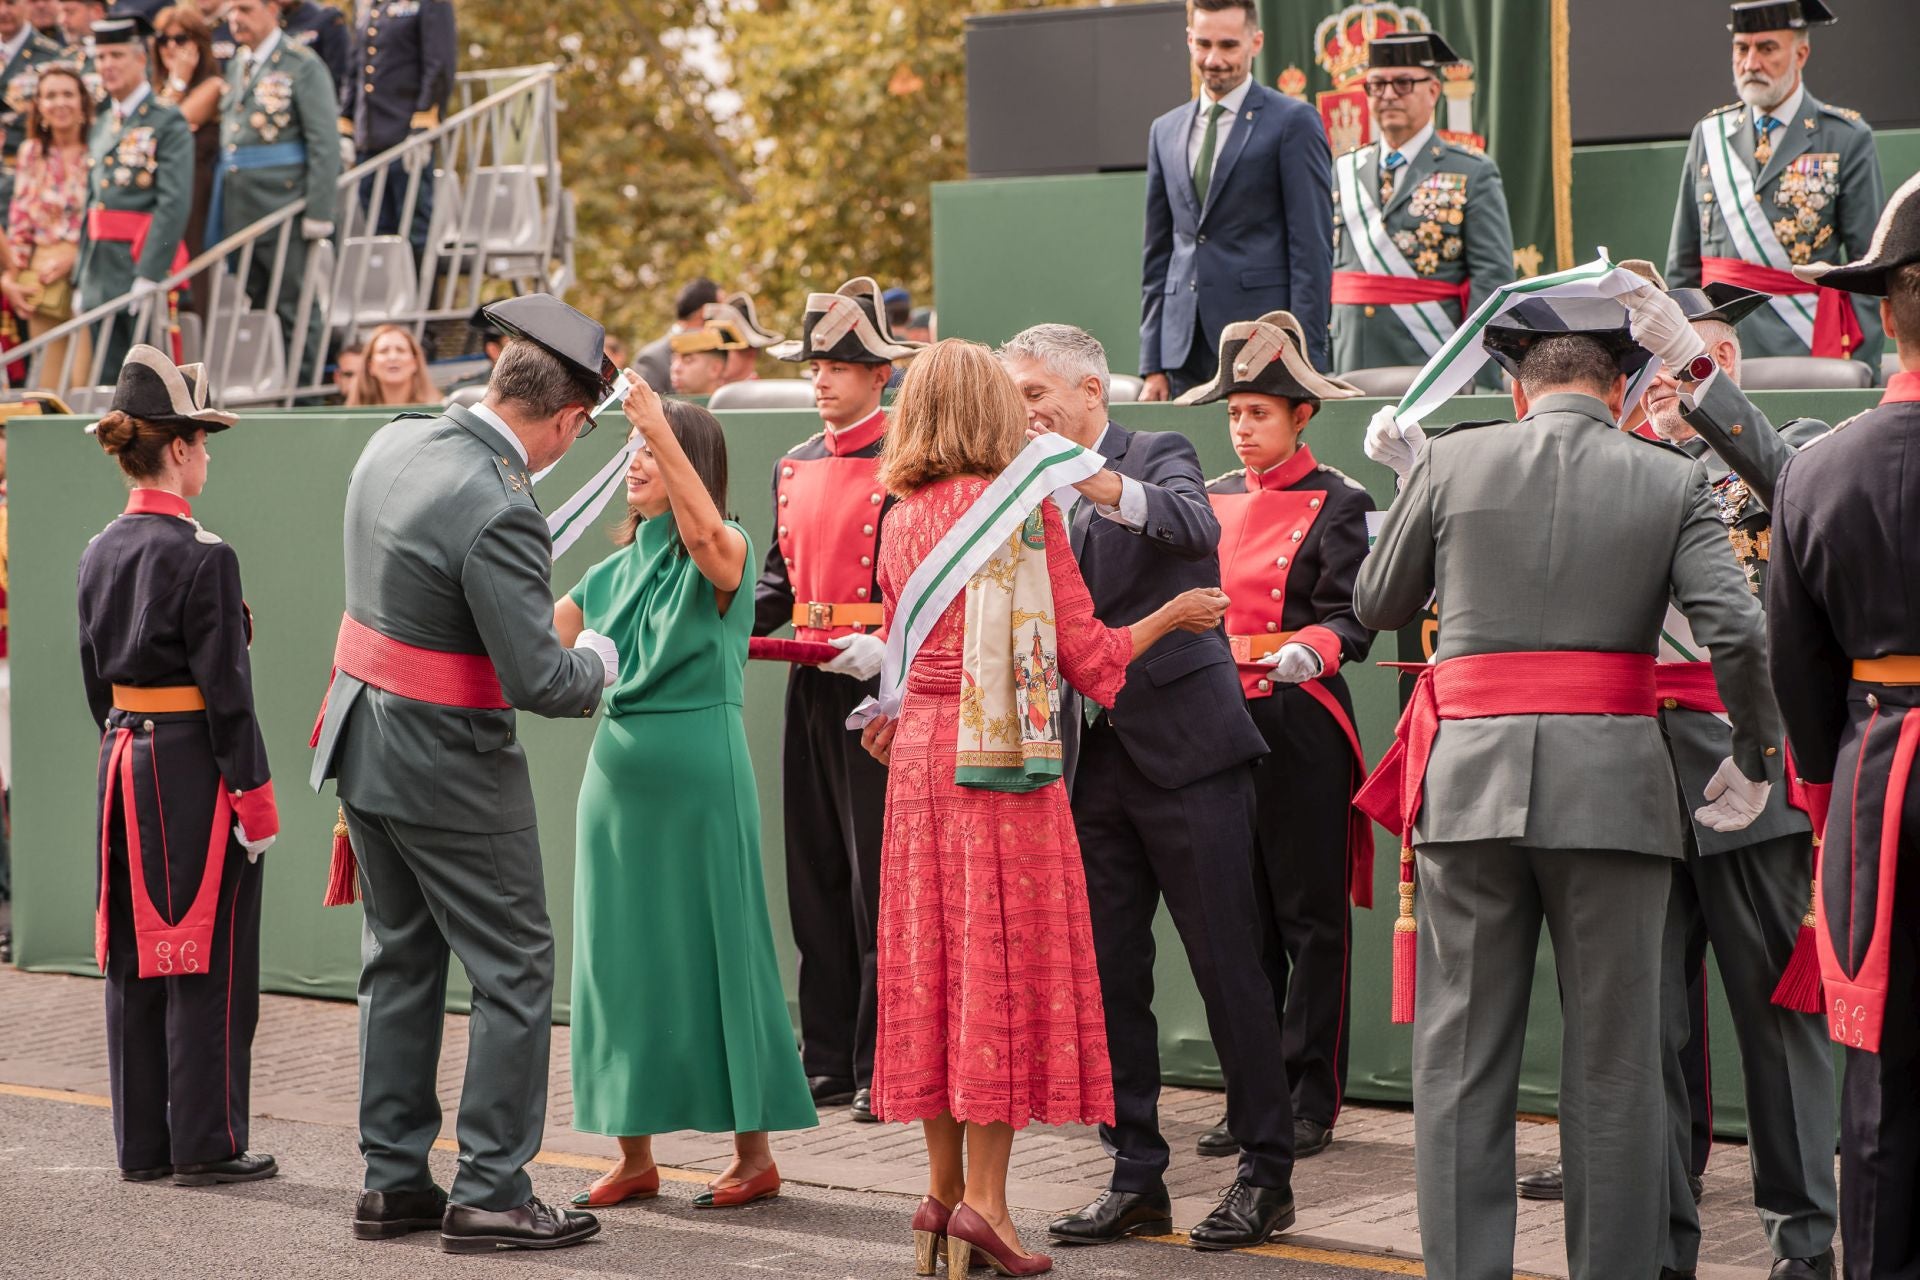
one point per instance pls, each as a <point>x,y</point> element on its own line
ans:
<point>448,628</point>
<point>139,188</point>
<point>279,142</point>
<point>1421,234</point>
<point>1780,180</point>
<point>23,51</point>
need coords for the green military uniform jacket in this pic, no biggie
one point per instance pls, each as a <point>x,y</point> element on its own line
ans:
<point>1448,219</point>
<point>1563,532</point>
<point>1819,191</point>
<point>447,550</point>
<point>145,166</point>
<point>288,98</point>
<point>18,81</point>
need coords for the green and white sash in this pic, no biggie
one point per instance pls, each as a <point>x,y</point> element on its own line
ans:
<point>1428,322</point>
<point>1747,223</point>
<point>1048,465</point>
<point>574,516</point>
<point>1464,354</point>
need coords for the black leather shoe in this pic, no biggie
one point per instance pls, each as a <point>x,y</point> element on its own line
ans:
<point>534,1225</point>
<point>1310,1138</point>
<point>146,1175</point>
<point>829,1092</point>
<point>1247,1215</point>
<point>863,1107</point>
<point>382,1215</point>
<point>1218,1141</point>
<point>1696,1186</point>
<point>1549,1183</point>
<point>245,1167</point>
<point>1115,1215</point>
<point>1820,1268</point>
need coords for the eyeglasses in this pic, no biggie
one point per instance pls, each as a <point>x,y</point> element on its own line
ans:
<point>1398,86</point>
<point>585,429</point>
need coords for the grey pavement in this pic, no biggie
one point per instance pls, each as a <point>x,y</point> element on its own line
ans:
<point>1356,1200</point>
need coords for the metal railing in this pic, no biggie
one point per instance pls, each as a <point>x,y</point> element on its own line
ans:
<point>490,176</point>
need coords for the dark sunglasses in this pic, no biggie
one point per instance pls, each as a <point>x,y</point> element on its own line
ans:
<point>173,39</point>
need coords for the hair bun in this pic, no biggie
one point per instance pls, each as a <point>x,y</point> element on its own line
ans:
<point>115,432</point>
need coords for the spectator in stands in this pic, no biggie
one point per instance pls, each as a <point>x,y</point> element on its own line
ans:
<point>148,9</point>
<point>919,325</point>
<point>279,142</point>
<point>76,25</point>
<point>1239,209</point>
<point>346,369</point>
<point>49,204</point>
<point>407,49</point>
<point>44,17</point>
<point>224,45</point>
<point>654,363</point>
<point>492,338</point>
<point>321,28</point>
<point>22,53</point>
<point>186,79</point>
<point>899,305</point>
<point>395,371</point>
<point>699,366</point>
<point>616,351</point>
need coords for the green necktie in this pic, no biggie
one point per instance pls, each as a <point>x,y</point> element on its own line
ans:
<point>1203,171</point>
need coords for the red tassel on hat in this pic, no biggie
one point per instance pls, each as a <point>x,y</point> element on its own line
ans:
<point>1405,943</point>
<point>1800,989</point>
<point>343,880</point>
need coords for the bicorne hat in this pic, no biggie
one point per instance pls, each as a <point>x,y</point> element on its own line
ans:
<point>848,324</point>
<point>1896,244</point>
<point>155,390</point>
<point>1410,49</point>
<point>1779,15</point>
<point>1509,338</point>
<point>1268,357</point>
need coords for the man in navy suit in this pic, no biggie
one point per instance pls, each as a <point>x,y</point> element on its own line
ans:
<point>1239,209</point>
<point>1163,802</point>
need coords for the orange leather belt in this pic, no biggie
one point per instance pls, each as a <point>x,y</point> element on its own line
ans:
<point>1895,668</point>
<point>1255,647</point>
<point>823,617</point>
<point>146,702</point>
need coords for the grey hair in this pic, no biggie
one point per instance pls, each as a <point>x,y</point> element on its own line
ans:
<point>1066,351</point>
<point>529,375</point>
<point>1714,332</point>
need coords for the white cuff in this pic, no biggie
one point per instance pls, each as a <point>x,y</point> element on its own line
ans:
<point>1132,508</point>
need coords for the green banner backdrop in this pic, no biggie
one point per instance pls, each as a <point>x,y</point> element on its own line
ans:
<point>1509,94</point>
<point>277,489</point>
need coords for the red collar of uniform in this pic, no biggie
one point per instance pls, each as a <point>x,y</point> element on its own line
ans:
<point>1903,388</point>
<point>1286,475</point>
<point>858,436</point>
<point>158,502</point>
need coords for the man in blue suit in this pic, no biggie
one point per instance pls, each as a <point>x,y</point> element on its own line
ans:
<point>1163,803</point>
<point>1239,209</point>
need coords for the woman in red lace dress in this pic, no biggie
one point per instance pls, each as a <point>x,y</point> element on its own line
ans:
<point>989,1002</point>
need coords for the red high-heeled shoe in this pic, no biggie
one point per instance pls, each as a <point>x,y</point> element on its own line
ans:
<point>968,1232</point>
<point>761,1186</point>
<point>604,1194</point>
<point>929,1233</point>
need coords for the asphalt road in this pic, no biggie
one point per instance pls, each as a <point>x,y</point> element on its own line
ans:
<point>67,1215</point>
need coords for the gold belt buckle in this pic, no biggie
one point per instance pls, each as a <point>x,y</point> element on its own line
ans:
<point>820,616</point>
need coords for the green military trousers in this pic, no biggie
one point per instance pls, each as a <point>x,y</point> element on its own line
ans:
<point>1479,905</point>
<point>1748,903</point>
<point>426,891</point>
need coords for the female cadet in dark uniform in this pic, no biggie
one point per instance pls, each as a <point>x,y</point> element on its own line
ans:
<point>186,807</point>
<point>1292,535</point>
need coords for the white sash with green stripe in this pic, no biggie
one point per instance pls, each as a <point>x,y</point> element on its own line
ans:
<point>1747,223</point>
<point>572,518</point>
<point>1428,322</point>
<point>1464,354</point>
<point>1049,463</point>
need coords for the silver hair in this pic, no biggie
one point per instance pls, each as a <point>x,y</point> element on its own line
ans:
<point>1066,351</point>
<point>1716,331</point>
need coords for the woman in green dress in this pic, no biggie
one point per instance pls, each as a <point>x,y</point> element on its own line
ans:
<point>679,1021</point>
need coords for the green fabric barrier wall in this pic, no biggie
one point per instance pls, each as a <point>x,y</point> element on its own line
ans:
<point>277,488</point>
<point>1010,252</point>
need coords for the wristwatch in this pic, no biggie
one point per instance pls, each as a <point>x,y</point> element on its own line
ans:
<point>1697,369</point>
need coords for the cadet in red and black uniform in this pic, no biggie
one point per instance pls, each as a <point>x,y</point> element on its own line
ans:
<point>186,804</point>
<point>1292,535</point>
<point>819,576</point>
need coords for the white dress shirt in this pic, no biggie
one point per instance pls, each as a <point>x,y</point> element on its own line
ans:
<point>1785,113</point>
<point>1197,132</point>
<point>1132,508</point>
<point>11,48</point>
<point>124,107</point>
<point>499,424</point>
<point>1408,151</point>
<point>250,59</point>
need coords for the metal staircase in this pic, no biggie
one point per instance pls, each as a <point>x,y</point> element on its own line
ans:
<point>499,217</point>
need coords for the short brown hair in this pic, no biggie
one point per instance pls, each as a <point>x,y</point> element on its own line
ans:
<point>529,375</point>
<point>136,444</point>
<point>1903,297</point>
<point>1568,360</point>
<point>958,414</point>
<point>1247,7</point>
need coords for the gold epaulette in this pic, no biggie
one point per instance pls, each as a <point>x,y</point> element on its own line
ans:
<point>1731,106</point>
<point>1845,113</point>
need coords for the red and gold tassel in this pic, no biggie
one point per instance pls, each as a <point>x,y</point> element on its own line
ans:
<point>1800,989</point>
<point>1405,942</point>
<point>174,346</point>
<point>343,880</point>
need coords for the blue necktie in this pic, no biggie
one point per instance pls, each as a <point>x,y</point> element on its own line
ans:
<point>1763,149</point>
<point>1388,168</point>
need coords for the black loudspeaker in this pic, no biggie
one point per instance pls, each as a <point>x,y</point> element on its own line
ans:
<point>1071,90</point>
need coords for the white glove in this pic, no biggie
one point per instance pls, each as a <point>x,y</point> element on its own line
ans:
<point>1660,326</point>
<point>347,152</point>
<point>1294,663</point>
<point>254,848</point>
<point>598,645</point>
<point>860,656</point>
<point>1736,800</point>
<point>418,158</point>
<point>315,229</point>
<point>1392,444</point>
<point>138,294</point>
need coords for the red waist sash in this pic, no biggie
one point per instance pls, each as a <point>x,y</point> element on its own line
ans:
<point>1688,685</point>
<point>128,227</point>
<point>1570,683</point>
<point>1364,287</point>
<point>425,675</point>
<point>1836,326</point>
